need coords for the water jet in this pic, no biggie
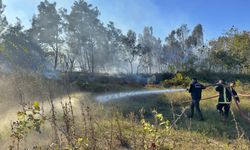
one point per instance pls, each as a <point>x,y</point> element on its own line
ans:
<point>115,96</point>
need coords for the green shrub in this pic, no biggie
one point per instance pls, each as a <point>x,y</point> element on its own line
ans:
<point>28,119</point>
<point>238,83</point>
<point>178,80</point>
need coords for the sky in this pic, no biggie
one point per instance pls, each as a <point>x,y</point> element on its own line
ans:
<point>216,16</point>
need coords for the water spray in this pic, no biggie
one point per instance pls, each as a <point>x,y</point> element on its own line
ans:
<point>114,96</point>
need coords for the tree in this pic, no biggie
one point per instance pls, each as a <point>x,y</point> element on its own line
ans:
<point>173,54</point>
<point>159,54</point>
<point>182,50</point>
<point>130,50</point>
<point>3,26</point>
<point>196,48</point>
<point>197,36</point>
<point>230,52</point>
<point>21,52</point>
<point>84,28</point>
<point>3,21</point>
<point>3,29</point>
<point>147,45</point>
<point>239,49</point>
<point>47,28</point>
<point>114,45</point>
<point>218,49</point>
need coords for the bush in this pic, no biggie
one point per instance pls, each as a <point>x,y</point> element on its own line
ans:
<point>178,80</point>
<point>238,83</point>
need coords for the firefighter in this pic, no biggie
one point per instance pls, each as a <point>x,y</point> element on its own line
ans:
<point>196,90</point>
<point>234,93</point>
<point>224,100</point>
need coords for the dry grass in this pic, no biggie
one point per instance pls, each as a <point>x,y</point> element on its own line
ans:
<point>85,124</point>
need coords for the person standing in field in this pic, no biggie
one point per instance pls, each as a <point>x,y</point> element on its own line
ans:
<point>224,100</point>
<point>234,93</point>
<point>196,91</point>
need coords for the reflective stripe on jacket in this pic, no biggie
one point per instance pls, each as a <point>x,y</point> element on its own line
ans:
<point>225,96</point>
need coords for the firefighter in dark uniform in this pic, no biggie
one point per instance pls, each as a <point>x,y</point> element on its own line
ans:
<point>224,100</point>
<point>196,90</point>
<point>234,93</point>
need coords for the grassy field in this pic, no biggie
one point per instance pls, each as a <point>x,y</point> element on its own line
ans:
<point>141,122</point>
<point>235,129</point>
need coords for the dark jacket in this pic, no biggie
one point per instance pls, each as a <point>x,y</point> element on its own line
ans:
<point>195,90</point>
<point>225,96</point>
<point>235,94</point>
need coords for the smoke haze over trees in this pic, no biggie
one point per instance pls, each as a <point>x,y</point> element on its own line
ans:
<point>77,40</point>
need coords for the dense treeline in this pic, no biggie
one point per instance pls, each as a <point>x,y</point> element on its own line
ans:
<point>77,40</point>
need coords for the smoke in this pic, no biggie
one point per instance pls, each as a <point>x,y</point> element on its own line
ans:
<point>105,98</point>
<point>25,88</point>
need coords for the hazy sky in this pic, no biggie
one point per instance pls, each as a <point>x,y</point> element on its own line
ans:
<point>216,16</point>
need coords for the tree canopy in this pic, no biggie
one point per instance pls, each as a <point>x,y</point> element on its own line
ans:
<point>77,40</point>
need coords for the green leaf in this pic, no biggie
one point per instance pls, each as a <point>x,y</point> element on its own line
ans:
<point>159,116</point>
<point>36,105</point>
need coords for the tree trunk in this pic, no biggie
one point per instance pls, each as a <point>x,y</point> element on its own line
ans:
<point>131,67</point>
<point>56,59</point>
<point>81,61</point>
<point>71,68</point>
<point>92,60</point>
<point>87,62</point>
<point>56,49</point>
<point>137,69</point>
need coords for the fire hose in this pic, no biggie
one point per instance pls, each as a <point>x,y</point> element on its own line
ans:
<point>207,98</point>
<point>238,107</point>
<point>244,95</point>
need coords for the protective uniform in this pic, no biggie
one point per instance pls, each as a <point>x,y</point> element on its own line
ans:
<point>224,100</point>
<point>196,90</point>
<point>235,94</point>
